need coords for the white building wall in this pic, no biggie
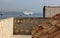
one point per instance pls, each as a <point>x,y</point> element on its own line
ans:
<point>6,28</point>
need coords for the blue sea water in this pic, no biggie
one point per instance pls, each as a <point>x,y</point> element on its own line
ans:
<point>19,14</point>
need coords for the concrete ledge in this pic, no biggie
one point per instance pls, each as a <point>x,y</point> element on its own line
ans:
<point>22,36</point>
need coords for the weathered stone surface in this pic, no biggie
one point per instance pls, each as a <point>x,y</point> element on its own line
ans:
<point>24,26</point>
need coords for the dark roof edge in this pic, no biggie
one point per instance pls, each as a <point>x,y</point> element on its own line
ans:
<point>52,6</point>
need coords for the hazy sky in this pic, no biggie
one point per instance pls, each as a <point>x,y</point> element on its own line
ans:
<point>33,5</point>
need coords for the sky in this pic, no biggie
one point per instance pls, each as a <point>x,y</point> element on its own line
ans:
<point>35,6</point>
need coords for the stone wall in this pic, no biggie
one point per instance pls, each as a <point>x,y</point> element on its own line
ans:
<point>24,26</point>
<point>11,27</point>
<point>51,11</point>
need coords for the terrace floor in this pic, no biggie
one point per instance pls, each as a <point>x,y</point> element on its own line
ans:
<point>22,36</point>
